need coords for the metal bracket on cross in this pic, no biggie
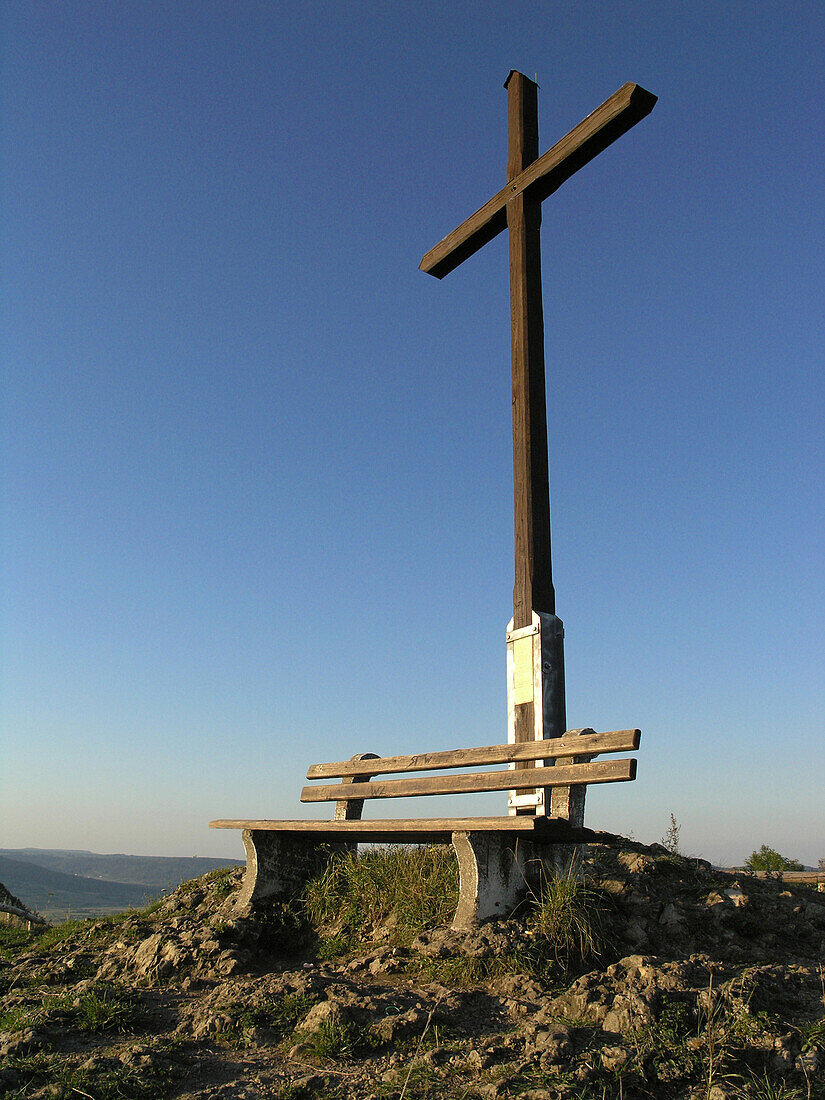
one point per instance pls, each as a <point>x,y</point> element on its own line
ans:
<point>535,694</point>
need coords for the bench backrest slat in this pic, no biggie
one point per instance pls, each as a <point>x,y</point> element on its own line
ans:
<point>562,775</point>
<point>574,743</point>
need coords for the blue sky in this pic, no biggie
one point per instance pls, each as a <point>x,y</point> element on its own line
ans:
<point>257,467</point>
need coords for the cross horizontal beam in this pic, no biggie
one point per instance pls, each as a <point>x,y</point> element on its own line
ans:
<point>614,117</point>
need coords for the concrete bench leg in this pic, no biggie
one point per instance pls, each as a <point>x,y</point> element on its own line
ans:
<point>278,865</point>
<point>493,875</point>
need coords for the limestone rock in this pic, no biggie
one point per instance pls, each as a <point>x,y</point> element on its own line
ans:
<point>551,1043</point>
<point>402,1025</point>
<point>16,1044</point>
<point>325,1012</point>
<point>614,1057</point>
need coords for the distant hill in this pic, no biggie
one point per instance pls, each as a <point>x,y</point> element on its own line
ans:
<point>53,893</point>
<point>159,873</point>
<point>52,882</point>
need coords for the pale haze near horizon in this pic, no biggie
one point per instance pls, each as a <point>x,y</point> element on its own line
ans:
<point>257,489</point>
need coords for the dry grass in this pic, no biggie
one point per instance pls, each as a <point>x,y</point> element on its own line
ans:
<point>414,888</point>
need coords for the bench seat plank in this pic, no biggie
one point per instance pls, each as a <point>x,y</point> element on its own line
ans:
<point>585,742</point>
<point>611,771</point>
<point>416,830</point>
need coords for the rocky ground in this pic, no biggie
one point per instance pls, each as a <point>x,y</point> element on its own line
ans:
<point>678,981</point>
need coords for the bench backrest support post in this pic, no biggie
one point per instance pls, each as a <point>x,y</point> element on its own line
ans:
<point>351,809</point>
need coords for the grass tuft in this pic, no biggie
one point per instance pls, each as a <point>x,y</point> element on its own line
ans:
<point>769,1087</point>
<point>414,888</point>
<point>104,1007</point>
<point>465,971</point>
<point>279,1014</point>
<point>107,1007</point>
<point>569,916</point>
<point>52,1076</point>
<point>13,940</point>
<point>332,1040</point>
<point>61,933</point>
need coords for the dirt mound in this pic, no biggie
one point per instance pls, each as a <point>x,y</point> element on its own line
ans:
<point>677,981</point>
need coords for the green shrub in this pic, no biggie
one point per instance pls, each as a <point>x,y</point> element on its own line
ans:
<point>25,1015</point>
<point>813,1034</point>
<point>767,859</point>
<point>465,971</point>
<point>102,1007</point>
<point>336,946</point>
<point>62,933</point>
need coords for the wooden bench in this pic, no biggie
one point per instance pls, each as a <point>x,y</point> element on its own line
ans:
<point>497,856</point>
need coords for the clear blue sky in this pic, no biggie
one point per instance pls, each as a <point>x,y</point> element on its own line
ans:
<point>257,467</point>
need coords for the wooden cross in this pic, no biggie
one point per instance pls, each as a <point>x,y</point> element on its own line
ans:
<point>531,179</point>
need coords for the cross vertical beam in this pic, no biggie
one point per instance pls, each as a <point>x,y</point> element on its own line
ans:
<point>533,580</point>
<point>533,588</point>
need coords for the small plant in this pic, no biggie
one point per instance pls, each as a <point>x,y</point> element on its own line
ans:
<point>62,933</point>
<point>418,1047</point>
<point>463,971</point>
<point>221,880</point>
<point>103,1007</point>
<point>768,859</point>
<point>279,1015</point>
<point>331,1040</point>
<point>336,946</point>
<point>282,1015</point>
<point>12,940</point>
<point>289,1091</point>
<point>51,1075</point>
<point>713,1010</point>
<point>768,1087</point>
<point>813,1034</point>
<point>671,838</point>
<point>107,1007</point>
<point>662,1048</point>
<point>25,1015</point>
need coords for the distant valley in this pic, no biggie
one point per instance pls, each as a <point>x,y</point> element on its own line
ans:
<point>60,883</point>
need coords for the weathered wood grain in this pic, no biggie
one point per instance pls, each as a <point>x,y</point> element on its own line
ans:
<point>420,830</point>
<point>587,743</point>
<point>629,105</point>
<point>352,808</point>
<point>562,775</point>
<point>394,825</point>
<point>533,582</point>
